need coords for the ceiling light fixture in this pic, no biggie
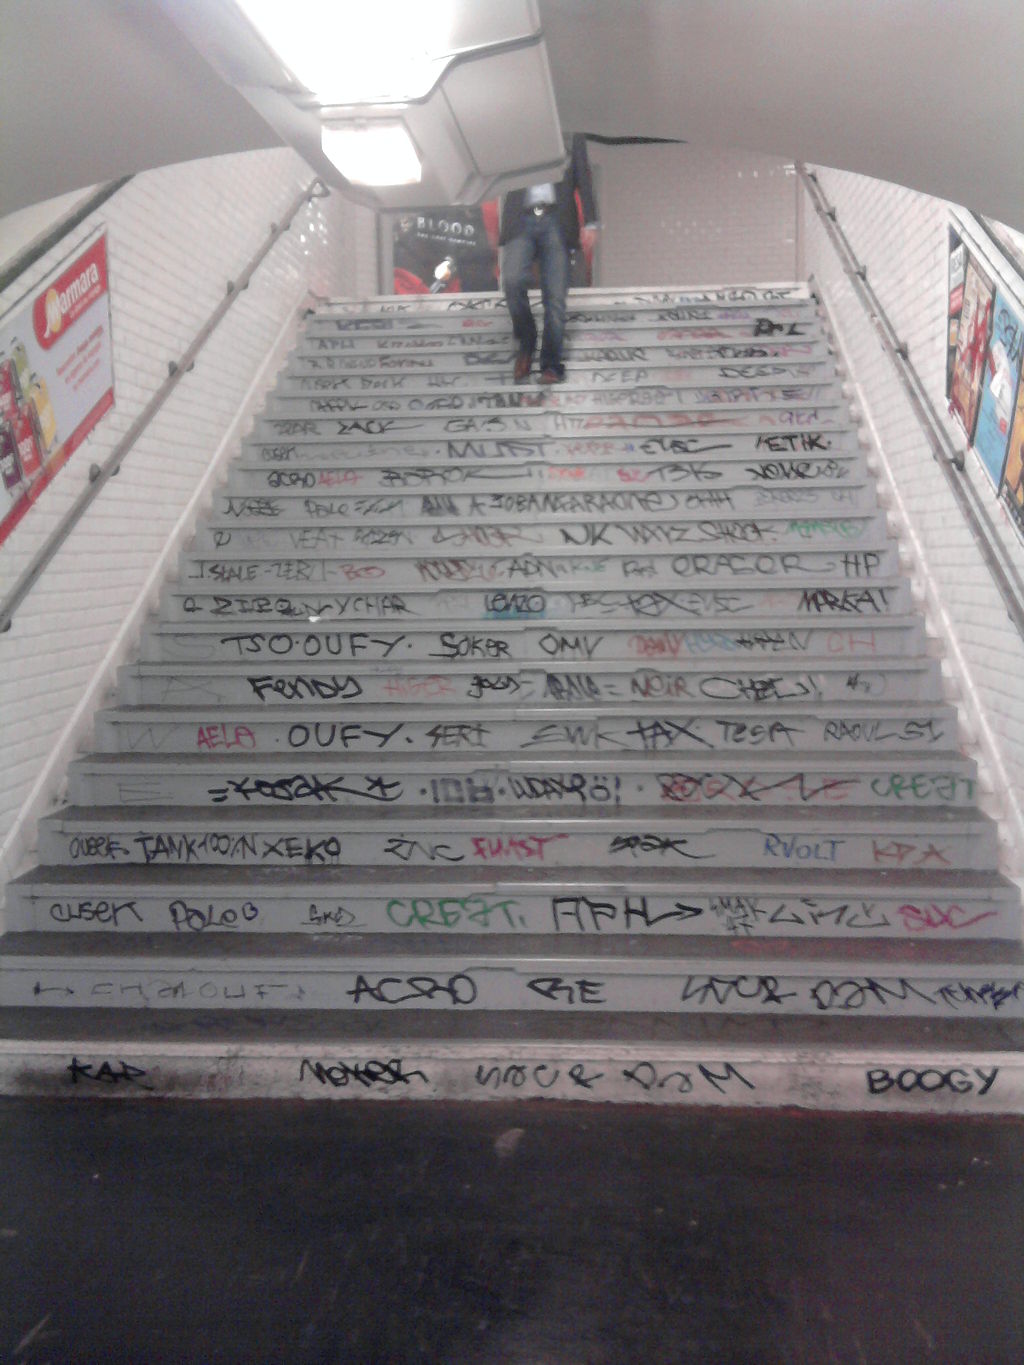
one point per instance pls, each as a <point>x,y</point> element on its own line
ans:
<point>376,152</point>
<point>358,51</point>
<point>397,103</point>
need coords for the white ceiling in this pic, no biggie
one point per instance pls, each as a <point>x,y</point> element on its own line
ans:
<point>928,93</point>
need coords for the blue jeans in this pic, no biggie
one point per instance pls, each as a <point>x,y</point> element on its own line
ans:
<point>541,240</point>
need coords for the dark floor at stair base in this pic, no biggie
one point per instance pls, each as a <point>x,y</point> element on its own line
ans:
<point>506,1235</point>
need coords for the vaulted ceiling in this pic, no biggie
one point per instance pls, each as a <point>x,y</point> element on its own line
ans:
<point>928,93</point>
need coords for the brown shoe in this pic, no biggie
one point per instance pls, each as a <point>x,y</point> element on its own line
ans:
<point>521,371</point>
<point>552,377</point>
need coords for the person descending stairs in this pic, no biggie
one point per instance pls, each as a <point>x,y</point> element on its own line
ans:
<point>582,742</point>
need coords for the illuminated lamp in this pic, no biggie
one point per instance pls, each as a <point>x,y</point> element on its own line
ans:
<point>378,152</point>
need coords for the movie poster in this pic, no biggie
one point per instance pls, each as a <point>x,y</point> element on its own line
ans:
<point>1000,378</point>
<point>450,250</point>
<point>971,348</point>
<point>1012,489</point>
<point>957,270</point>
<point>56,376</point>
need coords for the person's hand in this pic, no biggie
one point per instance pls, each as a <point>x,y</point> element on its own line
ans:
<point>588,237</point>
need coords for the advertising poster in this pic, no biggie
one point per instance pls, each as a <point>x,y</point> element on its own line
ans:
<point>1012,488</point>
<point>957,271</point>
<point>56,375</point>
<point>971,348</point>
<point>446,250</point>
<point>999,389</point>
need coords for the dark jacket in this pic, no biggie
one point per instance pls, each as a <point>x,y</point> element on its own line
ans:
<point>576,177</point>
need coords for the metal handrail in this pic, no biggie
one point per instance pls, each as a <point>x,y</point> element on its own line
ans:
<point>949,457</point>
<point>176,370</point>
<point>64,226</point>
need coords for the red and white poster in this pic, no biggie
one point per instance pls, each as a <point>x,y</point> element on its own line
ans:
<point>971,347</point>
<point>1012,487</point>
<point>56,375</point>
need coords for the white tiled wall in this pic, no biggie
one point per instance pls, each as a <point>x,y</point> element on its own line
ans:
<point>175,237</point>
<point>677,214</point>
<point>901,236</point>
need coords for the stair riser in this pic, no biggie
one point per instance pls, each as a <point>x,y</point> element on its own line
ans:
<point>471,607</point>
<point>698,516</point>
<point>714,783</point>
<point>897,843</point>
<point>482,308</point>
<point>582,300</point>
<point>618,358</point>
<point>151,685</point>
<point>822,393</point>
<point>658,531</point>
<point>583,305</point>
<point>882,1082</point>
<point>664,735</point>
<point>649,464</point>
<point>617,344</point>
<point>531,420</point>
<point>491,493</point>
<point>657,454</point>
<point>583,986</point>
<point>719,535</point>
<point>301,380</point>
<point>565,911</point>
<point>502,645</point>
<point>799,322</point>
<point>715,567</point>
<point>700,322</point>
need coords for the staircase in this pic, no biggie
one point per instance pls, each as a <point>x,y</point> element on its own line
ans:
<point>502,742</point>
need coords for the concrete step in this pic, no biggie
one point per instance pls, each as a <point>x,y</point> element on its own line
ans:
<point>500,644</point>
<point>431,903</point>
<point>702,728</point>
<point>300,378</point>
<point>664,350</point>
<point>534,497</point>
<point>481,346</point>
<point>458,599</point>
<point>591,327</point>
<point>326,492</point>
<point>765,293</point>
<point>417,782</point>
<point>543,413</point>
<point>582,305</point>
<point>658,531</point>
<point>765,451</point>
<point>870,979</point>
<point>487,312</point>
<point>461,684</point>
<point>822,392</point>
<point>769,318</point>
<point>823,1062</point>
<point>766,838</point>
<point>712,567</point>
